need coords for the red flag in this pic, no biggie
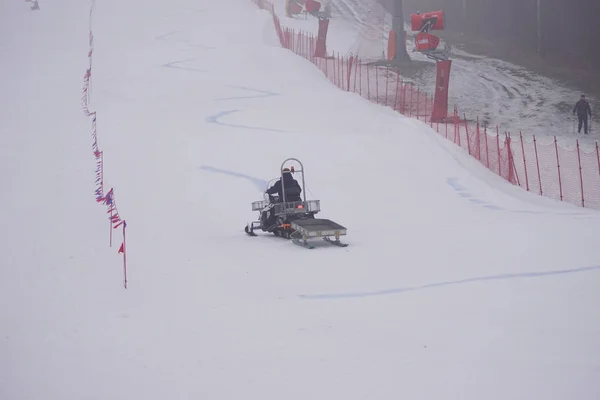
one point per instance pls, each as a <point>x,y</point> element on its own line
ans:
<point>122,248</point>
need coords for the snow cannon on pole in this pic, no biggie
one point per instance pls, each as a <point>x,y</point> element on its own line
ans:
<point>289,215</point>
<point>427,44</point>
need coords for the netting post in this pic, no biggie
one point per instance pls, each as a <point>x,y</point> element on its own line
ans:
<point>304,45</point>
<point>376,85</point>
<point>340,74</point>
<point>456,127</point>
<point>350,62</point>
<point>387,83</point>
<point>425,108</point>
<point>524,162</point>
<point>341,71</point>
<point>368,84</point>
<point>307,54</point>
<point>411,100</point>
<point>397,88</point>
<point>347,73</point>
<point>355,71</point>
<point>512,168</point>
<point>418,101</point>
<point>580,174</point>
<point>558,166</point>
<point>498,145</point>
<point>487,152</point>
<point>430,113</point>
<point>446,123</point>
<point>336,71</point>
<point>360,80</point>
<point>312,50</point>
<point>537,163</point>
<point>285,38</point>
<point>332,78</point>
<point>404,86</point>
<point>467,133</point>
<point>598,157</point>
<point>478,140</point>
<point>334,68</point>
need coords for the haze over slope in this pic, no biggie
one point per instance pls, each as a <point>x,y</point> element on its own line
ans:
<point>455,284</point>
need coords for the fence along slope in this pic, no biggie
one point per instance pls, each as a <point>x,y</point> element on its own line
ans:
<point>541,167</point>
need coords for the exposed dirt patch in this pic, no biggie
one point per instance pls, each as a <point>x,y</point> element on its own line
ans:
<point>577,76</point>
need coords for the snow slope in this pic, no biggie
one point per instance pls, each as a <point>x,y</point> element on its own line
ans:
<point>499,92</point>
<point>455,285</point>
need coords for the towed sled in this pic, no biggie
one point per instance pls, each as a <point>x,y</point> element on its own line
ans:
<point>294,220</point>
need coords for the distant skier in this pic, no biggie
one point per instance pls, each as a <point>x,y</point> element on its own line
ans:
<point>582,108</point>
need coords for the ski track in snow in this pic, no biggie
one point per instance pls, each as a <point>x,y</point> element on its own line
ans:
<point>172,65</point>
<point>164,37</point>
<point>261,93</point>
<point>464,192</point>
<point>215,119</point>
<point>499,277</point>
<point>261,184</point>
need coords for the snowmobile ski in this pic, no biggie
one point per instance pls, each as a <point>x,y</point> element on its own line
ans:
<point>301,243</point>
<point>335,242</point>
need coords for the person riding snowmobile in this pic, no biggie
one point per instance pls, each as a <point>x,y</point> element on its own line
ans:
<point>290,185</point>
<point>292,193</point>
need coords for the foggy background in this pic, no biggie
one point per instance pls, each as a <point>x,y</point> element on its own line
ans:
<point>568,29</point>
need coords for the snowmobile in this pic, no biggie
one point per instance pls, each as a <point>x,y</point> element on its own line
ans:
<point>294,220</point>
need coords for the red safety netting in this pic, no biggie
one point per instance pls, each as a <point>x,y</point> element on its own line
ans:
<point>539,166</point>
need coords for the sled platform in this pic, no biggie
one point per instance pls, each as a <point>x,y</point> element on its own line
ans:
<point>306,229</point>
<point>316,228</point>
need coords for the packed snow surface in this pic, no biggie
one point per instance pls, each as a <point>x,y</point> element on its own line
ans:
<point>455,284</point>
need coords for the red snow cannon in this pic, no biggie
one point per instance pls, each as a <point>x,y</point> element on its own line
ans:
<point>312,6</point>
<point>426,42</point>
<point>428,21</point>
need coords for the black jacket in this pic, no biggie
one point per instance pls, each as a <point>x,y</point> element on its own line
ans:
<point>582,107</point>
<point>292,188</point>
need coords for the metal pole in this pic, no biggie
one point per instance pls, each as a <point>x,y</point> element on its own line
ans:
<point>537,163</point>
<point>580,174</point>
<point>558,167</point>
<point>398,28</point>
<point>524,161</point>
